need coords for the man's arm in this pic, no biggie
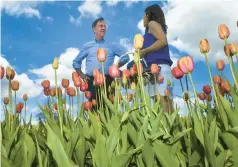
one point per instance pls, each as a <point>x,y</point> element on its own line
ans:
<point>77,62</point>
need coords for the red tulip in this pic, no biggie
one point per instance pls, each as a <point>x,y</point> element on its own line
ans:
<point>87,105</point>
<point>220,65</point>
<point>99,79</point>
<point>71,91</point>
<point>177,73</point>
<point>77,82</point>
<point>114,71</point>
<point>101,54</point>
<point>160,79</point>
<point>94,102</point>
<point>10,73</point>
<point>154,69</point>
<point>15,85</point>
<point>217,79</point>
<point>45,84</point>
<point>65,83</point>
<point>5,100</point>
<point>186,64</point>
<point>47,91</point>
<point>223,31</point>
<point>83,86</point>
<point>204,46</point>
<point>88,94</point>
<point>126,73</point>
<point>202,96</point>
<point>2,72</point>
<point>227,50</point>
<point>207,89</point>
<point>135,68</point>
<point>74,76</point>
<point>19,107</point>
<point>95,72</point>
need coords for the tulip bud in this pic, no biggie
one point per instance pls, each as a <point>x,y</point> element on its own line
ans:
<point>55,64</point>
<point>209,97</point>
<point>138,41</point>
<point>52,92</point>
<point>101,54</point>
<point>154,69</point>
<point>167,93</point>
<point>217,79</point>
<point>223,31</point>
<point>47,91</point>
<point>114,71</point>
<point>160,79</point>
<point>19,107</point>
<point>10,73</point>
<point>25,97</point>
<point>234,48</point>
<point>206,89</point>
<point>227,50</point>
<point>185,96</point>
<point>169,83</point>
<point>202,96</point>
<point>15,85</point>
<point>2,72</point>
<point>45,84</point>
<point>177,73</point>
<point>77,82</point>
<point>88,95</point>
<point>71,91</point>
<point>87,105</point>
<point>94,102</point>
<point>204,46</point>
<point>133,86</point>
<point>5,100</point>
<point>186,64</point>
<point>65,83</point>
<point>220,65</point>
<point>83,86</point>
<point>99,79</point>
<point>226,86</point>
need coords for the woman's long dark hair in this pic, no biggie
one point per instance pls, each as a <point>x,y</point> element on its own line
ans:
<point>155,13</point>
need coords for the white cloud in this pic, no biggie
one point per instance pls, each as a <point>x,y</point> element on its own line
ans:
<point>49,19</point>
<point>112,2</point>
<point>141,27</point>
<point>18,8</point>
<point>90,8</point>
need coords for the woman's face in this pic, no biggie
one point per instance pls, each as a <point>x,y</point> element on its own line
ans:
<point>145,20</point>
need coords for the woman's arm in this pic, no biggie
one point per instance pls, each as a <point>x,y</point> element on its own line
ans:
<point>156,30</point>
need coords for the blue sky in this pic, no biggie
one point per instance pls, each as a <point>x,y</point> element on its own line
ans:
<point>33,33</point>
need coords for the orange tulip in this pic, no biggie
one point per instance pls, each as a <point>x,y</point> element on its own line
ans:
<point>52,92</point>
<point>217,79</point>
<point>154,68</point>
<point>186,64</point>
<point>94,102</point>
<point>101,54</point>
<point>19,107</point>
<point>138,41</point>
<point>177,73</point>
<point>74,76</point>
<point>209,97</point>
<point>15,85</point>
<point>77,82</point>
<point>234,48</point>
<point>207,89</point>
<point>95,72</point>
<point>10,73</point>
<point>88,94</point>
<point>5,100</point>
<point>71,91</point>
<point>220,65</point>
<point>2,72</point>
<point>226,86</point>
<point>227,50</point>
<point>25,97</point>
<point>45,84</point>
<point>202,96</point>
<point>204,46</point>
<point>114,71</point>
<point>65,83</point>
<point>126,73</point>
<point>222,91</point>
<point>83,86</point>
<point>223,31</point>
<point>47,91</point>
<point>99,79</point>
<point>87,105</point>
<point>167,93</point>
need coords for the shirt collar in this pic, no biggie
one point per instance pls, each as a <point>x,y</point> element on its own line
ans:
<point>100,40</point>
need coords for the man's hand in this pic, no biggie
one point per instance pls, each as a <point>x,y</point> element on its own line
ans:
<point>142,53</point>
<point>82,75</point>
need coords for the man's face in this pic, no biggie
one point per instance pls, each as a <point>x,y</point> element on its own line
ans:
<point>100,30</point>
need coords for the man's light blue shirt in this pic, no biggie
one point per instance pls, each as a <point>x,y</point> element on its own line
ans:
<point>89,51</point>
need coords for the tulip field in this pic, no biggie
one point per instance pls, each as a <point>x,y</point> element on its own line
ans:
<point>118,130</point>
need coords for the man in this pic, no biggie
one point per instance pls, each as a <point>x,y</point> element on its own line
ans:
<point>89,51</point>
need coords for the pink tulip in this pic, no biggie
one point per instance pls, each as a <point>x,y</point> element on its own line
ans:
<point>186,64</point>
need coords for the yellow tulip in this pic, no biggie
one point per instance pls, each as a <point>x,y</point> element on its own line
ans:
<point>55,64</point>
<point>138,41</point>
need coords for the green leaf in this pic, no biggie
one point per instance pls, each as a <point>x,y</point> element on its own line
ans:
<point>5,162</point>
<point>10,141</point>
<point>57,148</point>
<point>148,154</point>
<point>165,158</point>
<point>195,158</point>
<point>180,135</point>
<point>220,159</point>
<point>230,140</point>
<point>121,160</point>
<point>198,128</point>
<point>132,133</point>
<point>111,143</point>
<point>124,139</point>
<point>38,153</point>
<point>80,151</point>
<point>213,133</point>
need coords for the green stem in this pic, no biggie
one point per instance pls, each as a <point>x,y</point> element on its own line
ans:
<point>57,100</point>
<point>210,74</point>
<point>232,71</point>
<point>105,90</point>
<point>25,111</point>
<point>65,100</point>
<point>78,100</point>
<point>15,100</point>
<point>72,108</point>
<point>156,90</point>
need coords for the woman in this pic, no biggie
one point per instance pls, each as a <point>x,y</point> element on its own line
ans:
<point>156,51</point>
